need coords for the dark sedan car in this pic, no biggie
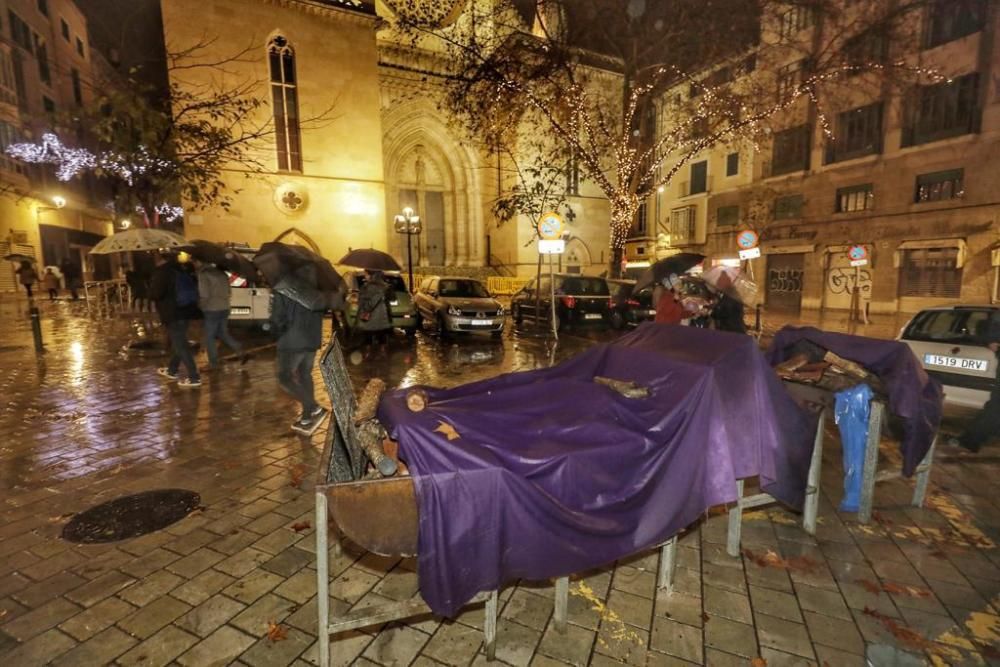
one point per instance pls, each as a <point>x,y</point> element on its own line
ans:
<point>629,309</point>
<point>580,301</point>
<point>455,305</point>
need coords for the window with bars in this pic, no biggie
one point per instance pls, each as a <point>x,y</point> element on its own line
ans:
<point>795,19</point>
<point>727,216</point>
<point>791,150</point>
<point>683,225</point>
<point>930,272</point>
<point>788,207</point>
<point>940,186</point>
<point>285,103</point>
<point>943,110</point>
<point>948,20</point>
<point>858,133</point>
<point>855,198</point>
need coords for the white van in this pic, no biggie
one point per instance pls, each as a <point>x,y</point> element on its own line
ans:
<point>249,302</point>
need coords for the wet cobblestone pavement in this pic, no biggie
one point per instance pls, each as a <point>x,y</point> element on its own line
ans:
<point>234,582</point>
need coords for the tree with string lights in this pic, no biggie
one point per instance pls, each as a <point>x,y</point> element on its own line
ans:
<point>636,89</point>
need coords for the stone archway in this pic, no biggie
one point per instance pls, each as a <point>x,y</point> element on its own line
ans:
<point>428,169</point>
<point>294,236</point>
<point>577,256</point>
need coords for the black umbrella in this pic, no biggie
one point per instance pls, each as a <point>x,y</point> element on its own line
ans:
<point>18,257</point>
<point>367,258</point>
<point>675,264</point>
<point>300,274</point>
<point>225,258</point>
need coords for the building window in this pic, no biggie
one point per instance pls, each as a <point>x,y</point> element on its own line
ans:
<point>788,207</point>
<point>942,110</point>
<point>9,135</point>
<point>48,104</point>
<point>43,7</point>
<point>866,49</point>
<point>791,150</point>
<point>930,272</point>
<point>79,47</point>
<point>855,198</point>
<point>683,225</point>
<point>727,216</point>
<point>20,33</point>
<point>794,20</point>
<point>948,20</point>
<point>65,29</point>
<point>284,98</point>
<point>8,85</point>
<point>77,90</point>
<point>940,185</point>
<point>42,53</point>
<point>699,178</point>
<point>572,172</point>
<point>732,164</point>
<point>789,79</point>
<point>640,225</point>
<point>858,133</point>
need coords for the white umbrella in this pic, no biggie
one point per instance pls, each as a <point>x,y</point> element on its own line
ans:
<point>137,240</point>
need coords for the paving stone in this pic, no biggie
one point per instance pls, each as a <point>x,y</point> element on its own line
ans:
<point>728,578</point>
<point>102,649</point>
<point>344,649</point>
<point>290,561</point>
<point>252,586</point>
<point>572,647</point>
<point>100,588</point>
<point>719,602</point>
<point>822,601</point>
<point>195,562</point>
<point>150,588</point>
<point>160,649</point>
<point>41,592</point>
<point>243,562</point>
<point>677,639</point>
<point>352,584</point>
<point>149,563</point>
<point>528,609</point>
<point>88,623</point>
<point>221,647</point>
<point>622,643</point>
<point>51,566</point>
<point>396,645</point>
<point>716,658</point>
<point>204,619</point>
<point>831,657</point>
<point>255,618</point>
<point>835,633</point>
<point>39,620</point>
<point>40,650</point>
<point>153,616</point>
<point>267,653</point>
<point>202,587</point>
<point>398,585</point>
<point>635,581</point>
<point>776,603</point>
<point>453,644</point>
<point>679,607</point>
<point>730,636</point>
<point>299,587</point>
<point>780,659</point>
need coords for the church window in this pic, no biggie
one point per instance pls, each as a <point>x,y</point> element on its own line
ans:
<point>285,102</point>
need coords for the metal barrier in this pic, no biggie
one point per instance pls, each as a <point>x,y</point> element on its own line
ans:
<point>107,298</point>
<point>505,285</point>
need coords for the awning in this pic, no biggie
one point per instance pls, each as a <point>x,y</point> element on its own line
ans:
<point>788,249</point>
<point>958,244</point>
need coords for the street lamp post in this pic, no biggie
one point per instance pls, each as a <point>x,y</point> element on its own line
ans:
<point>409,224</point>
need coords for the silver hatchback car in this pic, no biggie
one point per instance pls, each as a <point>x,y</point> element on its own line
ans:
<point>952,344</point>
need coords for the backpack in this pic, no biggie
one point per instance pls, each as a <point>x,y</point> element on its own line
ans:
<point>185,289</point>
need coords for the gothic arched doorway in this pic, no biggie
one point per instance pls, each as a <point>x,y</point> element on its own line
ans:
<point>422,185</point>
<point>293,236</point>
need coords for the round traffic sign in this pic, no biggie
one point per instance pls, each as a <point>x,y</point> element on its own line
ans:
<point>747,239</point>
<point>550,226</point>
<point>857,253</point>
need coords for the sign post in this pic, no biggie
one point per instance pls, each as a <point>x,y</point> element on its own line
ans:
<point>748,242</point>
<point>858,254</point>
<point>550,242</point>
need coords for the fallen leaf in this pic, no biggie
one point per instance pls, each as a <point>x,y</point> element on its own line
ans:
<point>276,632</point>
<point>772,559</point>
<point>447,430</point>
<point>298,473</point>
<point>901,632</point>
<point>758,662</point>
<point>870,586</point>
<point>300,526</point>
<point>704,618</point>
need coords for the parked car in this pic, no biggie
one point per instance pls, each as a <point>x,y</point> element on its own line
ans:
<point>580,301</point>
<point>627,308</point>
<point>404,313</point>
<point>452,305</point>
<point>951,343</point>
<point>250,301</point>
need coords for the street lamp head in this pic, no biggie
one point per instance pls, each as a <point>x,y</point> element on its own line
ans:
<point>59,201</point>
<point>407,212</point>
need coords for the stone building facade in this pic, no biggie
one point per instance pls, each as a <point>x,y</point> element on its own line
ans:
<point>914,178</point>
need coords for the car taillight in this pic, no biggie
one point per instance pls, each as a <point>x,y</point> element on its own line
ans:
<point>569,301</point>
<point>633,303</point>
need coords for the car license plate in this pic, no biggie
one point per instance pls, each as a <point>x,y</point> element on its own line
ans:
<point>592,316</point>
<point>980,365</point>
<point>394,302</point>
<point>481,323</point>
<point>651,311</point>
<point>239,310</point>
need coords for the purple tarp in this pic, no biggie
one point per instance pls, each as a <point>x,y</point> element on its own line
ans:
<point>554,474</point>
<point>914,397</point>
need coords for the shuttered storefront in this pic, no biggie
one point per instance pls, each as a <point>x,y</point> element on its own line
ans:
<point>8,279</point>
<point>784,281</point>
<point>930,272</point>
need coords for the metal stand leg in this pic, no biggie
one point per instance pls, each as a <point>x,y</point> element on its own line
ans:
<point>812,486</point>
<point>562,603</point>
<point>871,461</point>
<point>668,563</point>
<point>924,476</point>
<point>490,627</point>
<point>322,581</point>
<point>735,523</point>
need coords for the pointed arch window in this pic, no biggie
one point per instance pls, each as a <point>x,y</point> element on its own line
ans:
<point>285,102</point>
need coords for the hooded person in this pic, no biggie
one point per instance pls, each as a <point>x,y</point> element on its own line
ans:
<point>174,290</point>
<point>374,314</point>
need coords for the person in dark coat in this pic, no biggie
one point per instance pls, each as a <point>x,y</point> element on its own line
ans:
<point>727,315</point>
<point>986,424</point>
<point>300,335</point>
<point>374,311</point>
<point>72,275</point>
<point>175,293</point>
<point>27,276</point>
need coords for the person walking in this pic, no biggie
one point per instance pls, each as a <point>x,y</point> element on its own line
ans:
<point>374,314</point>
<point>213,299</point>
<point>986,424</point>
<point>175,293</point>
<point>27,276</point>
<point>668,307</point>
<point>51,281</point>
<point>727,315</point>
<point>71,274</point>
<point>300,334</point>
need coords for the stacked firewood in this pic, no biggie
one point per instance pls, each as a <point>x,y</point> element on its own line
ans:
<point>815,365</point>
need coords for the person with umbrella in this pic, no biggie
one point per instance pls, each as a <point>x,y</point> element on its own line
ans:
<point>175,293</point>
<point>71,274</point>
<point>51,281</point>
<point>27,276</point>
<point>374,314</point>
<point>213,300</point>
<point>728,313</point>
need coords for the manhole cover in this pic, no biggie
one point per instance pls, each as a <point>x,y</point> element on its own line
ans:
<point>131,516</point>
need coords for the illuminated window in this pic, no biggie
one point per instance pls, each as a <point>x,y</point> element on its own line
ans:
<point>285,101</point>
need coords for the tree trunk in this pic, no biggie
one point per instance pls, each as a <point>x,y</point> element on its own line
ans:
<point>623,211</point>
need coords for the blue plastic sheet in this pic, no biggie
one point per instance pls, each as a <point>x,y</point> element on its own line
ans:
<point>852,410</point>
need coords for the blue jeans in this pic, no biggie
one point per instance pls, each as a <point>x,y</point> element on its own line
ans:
<point>295,376</point>
<point>180,352</point>
<point>215,327</point>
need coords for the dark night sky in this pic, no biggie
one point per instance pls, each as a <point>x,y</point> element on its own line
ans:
<point>133,30</point>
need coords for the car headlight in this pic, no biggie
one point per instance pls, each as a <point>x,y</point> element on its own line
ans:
<point>452,310</point>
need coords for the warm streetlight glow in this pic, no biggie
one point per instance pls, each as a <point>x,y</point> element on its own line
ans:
<point>59,201</point>
<point>407,212</point>
<point>126,223</point>
<point>659,189</point>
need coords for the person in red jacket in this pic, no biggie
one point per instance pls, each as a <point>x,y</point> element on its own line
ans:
<point>668,307</point>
